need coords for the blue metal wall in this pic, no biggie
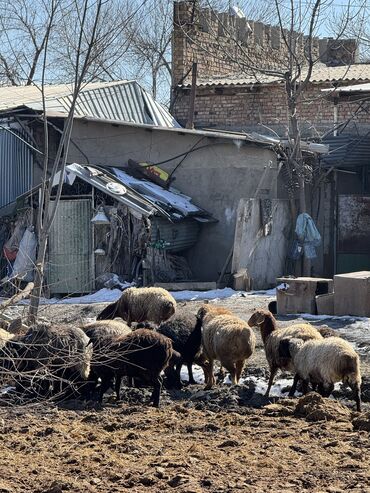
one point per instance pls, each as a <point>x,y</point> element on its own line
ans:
<point>16,167</point>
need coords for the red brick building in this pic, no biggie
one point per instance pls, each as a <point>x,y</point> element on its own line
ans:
<point>230,98</point>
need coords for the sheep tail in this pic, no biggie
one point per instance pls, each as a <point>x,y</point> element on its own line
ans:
<point>109,312</point>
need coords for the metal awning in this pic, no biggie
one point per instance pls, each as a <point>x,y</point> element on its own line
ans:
<point>142,196</point>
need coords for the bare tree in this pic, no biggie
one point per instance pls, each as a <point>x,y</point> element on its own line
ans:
<point>149,39</point>
<point>24,31</point>
<point>88,17</point>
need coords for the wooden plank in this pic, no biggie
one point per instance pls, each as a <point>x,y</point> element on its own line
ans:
<point>189,286</point>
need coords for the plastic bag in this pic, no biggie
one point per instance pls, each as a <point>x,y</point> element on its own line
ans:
<point>24,263</point>
<point>306,230</point>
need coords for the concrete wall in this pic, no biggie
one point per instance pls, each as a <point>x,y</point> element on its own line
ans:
<point>262,253</point>
<point>216,177</point>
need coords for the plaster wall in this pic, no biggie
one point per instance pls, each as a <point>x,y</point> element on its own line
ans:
<point>216,177</point>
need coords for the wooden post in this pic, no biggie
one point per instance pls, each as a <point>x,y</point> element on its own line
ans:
<point>190,122</point>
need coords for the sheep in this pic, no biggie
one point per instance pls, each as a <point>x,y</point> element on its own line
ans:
<point>323,362</point>
<point>140,305</point>
<point>185,331</point>
<point>4,337</point>
<point>225,338</point>
<point>144,354</point>
<point>52,357</point>
<point>101,334</point>
<point>271,337</point>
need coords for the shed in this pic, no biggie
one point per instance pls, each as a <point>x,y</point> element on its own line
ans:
<point>144,235</point>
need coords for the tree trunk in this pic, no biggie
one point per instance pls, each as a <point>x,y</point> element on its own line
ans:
<point>39,279</point>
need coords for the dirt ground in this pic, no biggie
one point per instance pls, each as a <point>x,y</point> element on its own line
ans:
<point>225,440</point>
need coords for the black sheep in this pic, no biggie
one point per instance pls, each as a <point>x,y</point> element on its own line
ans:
<point>185,332</point>
<point>143,354</point>
<point>49,359</point>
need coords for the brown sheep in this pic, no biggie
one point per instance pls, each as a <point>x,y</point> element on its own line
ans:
<point>225,338</point>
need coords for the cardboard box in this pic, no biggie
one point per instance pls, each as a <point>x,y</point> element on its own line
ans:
<point>352,294</point>
<point>299,294</point>
<point>325,304</point>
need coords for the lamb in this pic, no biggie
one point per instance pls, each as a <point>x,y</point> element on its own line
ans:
<point>324,362</point>
<point>271,337</point>
<point>225,338</point>
<point>140,305</point>
<point>185,331</point>
<point>144,354</point>
<point>54,358</point>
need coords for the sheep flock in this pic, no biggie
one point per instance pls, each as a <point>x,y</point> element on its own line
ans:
<point>144,339</point>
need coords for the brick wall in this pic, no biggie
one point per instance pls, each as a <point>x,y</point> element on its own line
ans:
<point>244,108</point>
<point>221,44</point>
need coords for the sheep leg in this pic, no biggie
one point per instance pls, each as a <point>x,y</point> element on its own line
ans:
<point>156,394</point>
<point>210,376</point>
<point>357,395</point>
<point>190,372</point>
<point>178,375</point>
<point>273,372</point>
<point>104,386</point>
<point>117,386</point>
<point>239,369</point>
<point>304,387</point>
<point>233,375</point>
<point>293,388</point>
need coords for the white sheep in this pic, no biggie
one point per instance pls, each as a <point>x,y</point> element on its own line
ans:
<point>271,337</point>
<point>140,305</point>
<point>225,338</point>
<point>325,362</point>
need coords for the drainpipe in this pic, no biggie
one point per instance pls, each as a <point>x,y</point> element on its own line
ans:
<point>335,133</point>
<point>190,122</point>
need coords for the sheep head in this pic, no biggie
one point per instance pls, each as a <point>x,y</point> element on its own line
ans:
<point>265,321</point>
<point>257,318</point>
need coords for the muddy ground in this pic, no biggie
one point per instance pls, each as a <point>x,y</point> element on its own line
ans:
<point>224,440</point>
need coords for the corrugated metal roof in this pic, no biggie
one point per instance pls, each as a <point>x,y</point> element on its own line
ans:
<point>16,166</point>
<point>347,150</point>
<point>320,73</point>
<point>117,100</point>
<point>363,88</point>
